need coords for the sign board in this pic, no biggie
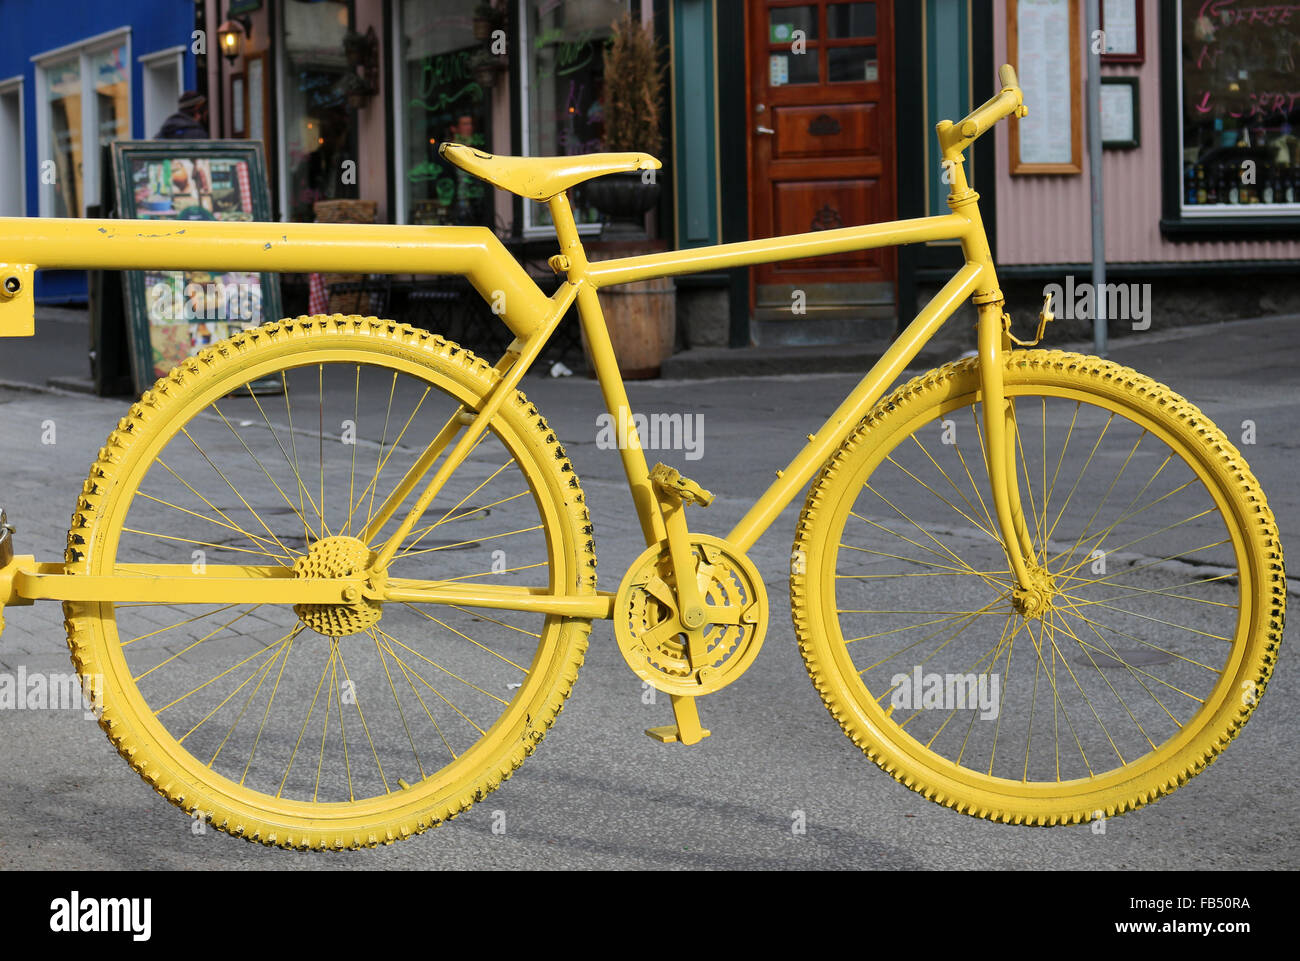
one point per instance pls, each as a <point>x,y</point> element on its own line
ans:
<point>1044,46</point>
<point>173,314</point>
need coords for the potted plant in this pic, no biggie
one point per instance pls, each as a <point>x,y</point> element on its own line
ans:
<point>633,108</point>
<point>486,19</point>
<point>642,316</point>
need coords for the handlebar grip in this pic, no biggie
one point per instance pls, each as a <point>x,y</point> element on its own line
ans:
<point>1007,74</point>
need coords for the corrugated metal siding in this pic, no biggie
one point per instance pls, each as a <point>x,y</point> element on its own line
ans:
<point>1044,219</point>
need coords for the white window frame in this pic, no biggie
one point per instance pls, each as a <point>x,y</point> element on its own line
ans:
<point>1219,211</point>
<point>85,49</point>
<point>149,61</point>
<point>11,85</point>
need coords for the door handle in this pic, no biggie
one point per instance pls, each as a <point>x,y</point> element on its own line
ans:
<point>762,129</point>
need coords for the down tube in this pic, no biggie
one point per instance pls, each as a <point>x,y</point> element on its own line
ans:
<point>886,370</point>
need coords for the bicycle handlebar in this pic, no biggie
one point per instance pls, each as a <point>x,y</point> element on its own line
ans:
<point>954,138</point>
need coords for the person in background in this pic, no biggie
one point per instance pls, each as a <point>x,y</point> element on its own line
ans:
<point>189,122</point>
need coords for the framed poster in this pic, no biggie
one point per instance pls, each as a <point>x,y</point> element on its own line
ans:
<point>1122,27</point>
<point>1119,113</point>
<point>172,314</point>
<point>1044,45</point>
<point>238,107</point>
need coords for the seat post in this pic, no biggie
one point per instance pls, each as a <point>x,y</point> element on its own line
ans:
<point>566,231</point>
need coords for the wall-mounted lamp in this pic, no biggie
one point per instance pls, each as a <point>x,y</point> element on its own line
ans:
<point>232,34</point>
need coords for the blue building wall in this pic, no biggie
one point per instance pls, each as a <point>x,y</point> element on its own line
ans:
<point>33,27</point>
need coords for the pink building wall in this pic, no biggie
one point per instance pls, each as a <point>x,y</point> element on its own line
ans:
<point>1045,219</point>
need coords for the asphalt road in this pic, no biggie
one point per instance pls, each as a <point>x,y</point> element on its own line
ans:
<point>599,793</point>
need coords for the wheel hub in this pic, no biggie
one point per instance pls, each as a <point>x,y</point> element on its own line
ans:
<point>1037,600</point>
<point>331,558</point>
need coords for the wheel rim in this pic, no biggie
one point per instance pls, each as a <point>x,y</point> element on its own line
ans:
<point>274,717</point>
<point>1116,696</point>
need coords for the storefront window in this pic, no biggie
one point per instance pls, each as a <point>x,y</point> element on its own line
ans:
<point>446,96</point>
<point>564,42</point>
<point>319,127</point>
<point>1240,109</point>
<point>63,90</point>
<point>87,101</point>
<point>108,72</point>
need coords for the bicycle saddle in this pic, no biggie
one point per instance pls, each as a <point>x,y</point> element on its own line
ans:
<point>541,178</point>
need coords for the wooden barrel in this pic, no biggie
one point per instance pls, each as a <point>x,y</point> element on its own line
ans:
<point>642,322</point>
<point>641,318</point>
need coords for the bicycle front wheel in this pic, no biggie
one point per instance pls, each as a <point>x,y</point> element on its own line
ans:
<point>1157,552</point>
<point>327,726</point>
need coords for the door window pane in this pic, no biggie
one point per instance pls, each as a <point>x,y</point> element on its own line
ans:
<point>853,64</point>
<point>786,68</point>
<point>784,21</point>
<point>63,85</point>
<point>845,20</point>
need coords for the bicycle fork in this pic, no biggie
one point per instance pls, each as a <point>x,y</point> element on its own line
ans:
<point>1033,587</point>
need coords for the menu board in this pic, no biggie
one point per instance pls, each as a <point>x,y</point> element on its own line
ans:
<point>1121,22</point>
<point>1043,45</point>
<point>173,314</point>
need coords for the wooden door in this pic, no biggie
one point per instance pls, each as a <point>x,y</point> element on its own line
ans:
<point>821,111</point>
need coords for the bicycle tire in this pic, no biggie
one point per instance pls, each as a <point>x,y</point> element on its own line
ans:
<point>892,707</point>
<point>168,744</point>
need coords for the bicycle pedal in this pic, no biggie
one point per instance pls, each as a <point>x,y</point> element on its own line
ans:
<point>669,481</point>
<point>687,728</point>
<point>669,734</point>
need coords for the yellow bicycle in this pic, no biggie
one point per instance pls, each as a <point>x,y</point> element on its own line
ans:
<point>315,640</point>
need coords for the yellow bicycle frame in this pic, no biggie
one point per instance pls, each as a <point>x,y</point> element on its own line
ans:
<point>477,254</point>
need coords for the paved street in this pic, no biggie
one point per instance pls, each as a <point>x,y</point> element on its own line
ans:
<point>599,793</point>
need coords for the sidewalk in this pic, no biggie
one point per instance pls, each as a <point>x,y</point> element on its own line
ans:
<point>57,356</point>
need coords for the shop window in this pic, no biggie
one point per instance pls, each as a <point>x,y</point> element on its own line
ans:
<point>446,96</point>
<point>13,151</point>
<point>319,133</point>
<point>563,43</point>
<point>84,98</point>
<point>161,73</point>
<point>1235,157</point>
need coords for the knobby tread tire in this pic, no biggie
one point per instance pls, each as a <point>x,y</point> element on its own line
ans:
<point>1254,519</point>
<point>82,618</point>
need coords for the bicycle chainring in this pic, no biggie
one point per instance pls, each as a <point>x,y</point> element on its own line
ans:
<point>653,640</point>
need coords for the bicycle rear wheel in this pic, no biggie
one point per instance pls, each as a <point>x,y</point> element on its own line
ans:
<point>327,726</point>
<point>1162,562</point>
